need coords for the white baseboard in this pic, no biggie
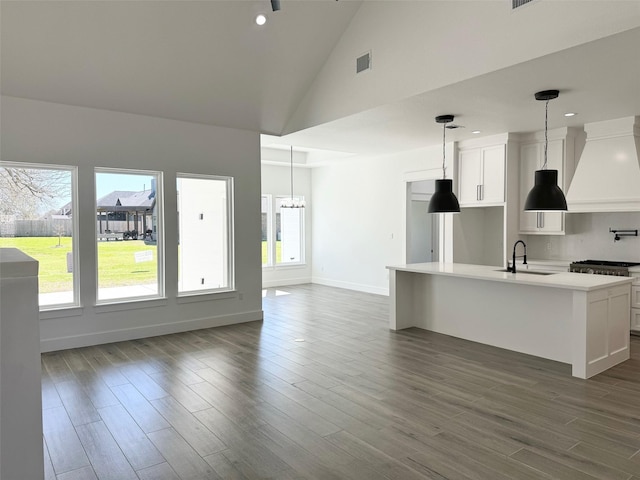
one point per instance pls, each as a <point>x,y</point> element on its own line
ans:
<point>351,286</point>
<point>99,338</point>
<point>285,281</point>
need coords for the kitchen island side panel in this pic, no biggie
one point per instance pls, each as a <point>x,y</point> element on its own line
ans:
<point>523,318</point>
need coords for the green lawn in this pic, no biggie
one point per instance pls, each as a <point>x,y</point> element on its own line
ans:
<point>117,266</point>
<point>53,276</point>
<point>116,262</point>
<point>278,252</point>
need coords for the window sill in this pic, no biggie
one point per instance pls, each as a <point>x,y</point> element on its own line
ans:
<point>61,312</point>
<point>130,304</point>
<point>292,266</point>
<point>206,296</point>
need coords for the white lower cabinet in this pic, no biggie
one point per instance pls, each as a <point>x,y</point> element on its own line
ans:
<point>635,319</point>
<point>635,305</point>
<point>635,294</point>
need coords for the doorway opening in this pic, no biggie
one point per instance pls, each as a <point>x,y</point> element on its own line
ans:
<point>422,227</point>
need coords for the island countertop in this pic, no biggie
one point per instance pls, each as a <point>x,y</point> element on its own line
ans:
<point>571,281</point>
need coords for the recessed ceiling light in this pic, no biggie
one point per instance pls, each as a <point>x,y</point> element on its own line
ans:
<point>476,132</point>
<point>261,19</point>
<point>570,114</point>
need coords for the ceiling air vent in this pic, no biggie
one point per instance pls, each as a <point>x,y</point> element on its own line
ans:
<point>363,62</point>
<point>518,3</point>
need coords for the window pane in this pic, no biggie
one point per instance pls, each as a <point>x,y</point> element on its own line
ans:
<point>266,220</point>
<point>36,217</point>
<point>289,228</point>
<point>204,233</point>
<point>127,233</point>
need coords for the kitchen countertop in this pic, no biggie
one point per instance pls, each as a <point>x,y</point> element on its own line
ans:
<point>571,281</point>
<point>547,261</point>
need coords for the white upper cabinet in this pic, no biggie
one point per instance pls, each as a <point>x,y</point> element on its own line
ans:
<point>560,157</point>
<point>481,176</point>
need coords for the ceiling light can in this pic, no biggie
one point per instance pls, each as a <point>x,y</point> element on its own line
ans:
<point>261,19</point>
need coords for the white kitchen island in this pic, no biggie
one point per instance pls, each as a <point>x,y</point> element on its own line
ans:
<point>574,318</point>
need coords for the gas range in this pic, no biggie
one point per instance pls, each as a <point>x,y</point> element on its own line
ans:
<point>602,267</point>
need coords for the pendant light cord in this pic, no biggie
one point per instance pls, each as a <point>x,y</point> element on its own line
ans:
<point>546,141</point>
<point>444,134</point>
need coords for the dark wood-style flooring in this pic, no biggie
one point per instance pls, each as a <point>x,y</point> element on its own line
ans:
<point>323,390</point>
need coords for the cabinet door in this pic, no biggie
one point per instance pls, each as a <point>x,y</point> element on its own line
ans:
<point>529,163</point>
<point>469,170</point>
<point>635,319</point>
<point>492,189</point>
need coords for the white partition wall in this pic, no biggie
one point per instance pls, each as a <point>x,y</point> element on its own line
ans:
<point>21,455</point>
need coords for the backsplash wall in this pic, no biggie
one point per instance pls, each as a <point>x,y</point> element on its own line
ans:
<point>587,237</point>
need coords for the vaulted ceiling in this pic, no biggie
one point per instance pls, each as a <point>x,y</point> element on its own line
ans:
<point>197,61</point>
<point>294,78</point>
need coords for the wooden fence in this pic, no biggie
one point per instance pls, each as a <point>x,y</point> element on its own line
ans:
<point>36,228</point>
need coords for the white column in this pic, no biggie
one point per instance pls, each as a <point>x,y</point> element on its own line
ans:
<point>21,455</point>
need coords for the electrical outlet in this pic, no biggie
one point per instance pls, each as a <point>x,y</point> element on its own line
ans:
<point>548,246</point>
<point>240,296</point>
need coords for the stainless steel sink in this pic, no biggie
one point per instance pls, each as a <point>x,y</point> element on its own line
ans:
<point>527,272</point>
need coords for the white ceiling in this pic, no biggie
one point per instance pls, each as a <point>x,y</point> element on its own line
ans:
<point>599,80</point>
<point>208,62</point>
<point>197,61</point>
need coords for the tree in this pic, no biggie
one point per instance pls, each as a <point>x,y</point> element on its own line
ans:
<point>28,192</point>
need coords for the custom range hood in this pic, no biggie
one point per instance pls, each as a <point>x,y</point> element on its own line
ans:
<point>607,177</point>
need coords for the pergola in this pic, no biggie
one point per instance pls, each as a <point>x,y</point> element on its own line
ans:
<point>137,208</point>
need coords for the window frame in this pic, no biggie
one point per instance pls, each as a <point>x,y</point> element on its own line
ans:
<point>160,252</point>
<point>272,263</point>
<point>74,230</point>
<point>270,229</point>
<point>231,258</point>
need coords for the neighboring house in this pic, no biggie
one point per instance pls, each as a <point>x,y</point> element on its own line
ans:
<point>121,211</point>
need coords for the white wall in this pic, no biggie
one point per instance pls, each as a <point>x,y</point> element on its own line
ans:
<point>432,44</point>
<point>276,180</point>
<point>359,216</point>
<point>587,237</point>
<point>478,236</point>
<point>41,132</point>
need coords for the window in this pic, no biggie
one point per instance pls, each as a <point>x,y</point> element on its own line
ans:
<point>129,234</point>
<point>205,234</point>
<point>266,229</point>
<point>36,216</point>
<point>282,233</point>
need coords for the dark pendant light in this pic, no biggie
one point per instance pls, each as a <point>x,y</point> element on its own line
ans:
<point>546,194</point>
<point>444,200</point>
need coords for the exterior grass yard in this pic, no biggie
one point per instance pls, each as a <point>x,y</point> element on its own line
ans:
<point>52,270</point>
<point>116,262</point>
<point>117,266</point>
<point>265,255</point>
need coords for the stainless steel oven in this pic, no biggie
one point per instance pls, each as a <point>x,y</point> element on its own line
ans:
<point>602,267</point>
